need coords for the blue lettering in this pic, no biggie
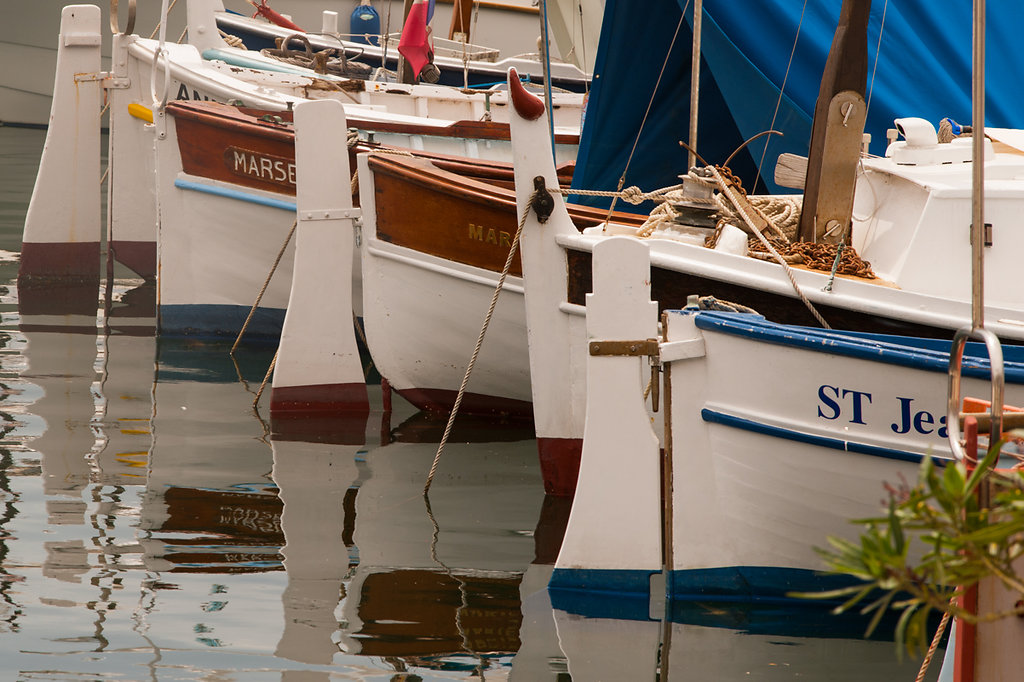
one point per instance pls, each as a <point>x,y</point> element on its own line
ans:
<point>827,394</point>
<point>923,419</point>
<point>858,413</point>
<point>904,425</point>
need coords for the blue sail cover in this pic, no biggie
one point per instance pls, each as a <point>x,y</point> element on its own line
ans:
<point>922,69</point>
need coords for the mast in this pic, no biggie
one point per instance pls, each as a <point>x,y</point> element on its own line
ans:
<point>835,133</point>
<point>698,15</point>
<point>461,12</point>
<point>978,170</point>
<point>545,56</point>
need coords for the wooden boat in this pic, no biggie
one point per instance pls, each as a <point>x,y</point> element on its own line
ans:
<point>760,465</point>
<point>227,181</point>
<point>482,66</point>
<point>908,212</point>
<point>26,38</point>
<point>452,251</point>
<point>62,237</point>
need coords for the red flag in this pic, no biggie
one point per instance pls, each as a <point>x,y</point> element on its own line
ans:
<point>415,42</point>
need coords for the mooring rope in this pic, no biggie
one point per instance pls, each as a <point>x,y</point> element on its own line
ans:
<point>231,40</point>
<point>935,643</point>
<point>157,29</point>
<point>479,342</point>
<point>266,378</point>
<point>263,290</point>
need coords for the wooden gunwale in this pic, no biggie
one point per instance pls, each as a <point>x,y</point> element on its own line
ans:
<point>670,289</point>
<point>208,130</point>
<point>503,6</point>
<point>462,220</point>
<point>427,208</point>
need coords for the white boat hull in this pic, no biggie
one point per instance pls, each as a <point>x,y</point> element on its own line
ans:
<point>777,438</point>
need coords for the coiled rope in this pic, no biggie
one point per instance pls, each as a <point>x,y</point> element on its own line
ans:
<point>774,212</point>
<point>729,192</point>
<point>479,342</point>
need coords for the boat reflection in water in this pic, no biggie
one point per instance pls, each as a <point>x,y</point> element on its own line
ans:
<point>359,538</point>
<point>322,527</point>
<point>178,530</point>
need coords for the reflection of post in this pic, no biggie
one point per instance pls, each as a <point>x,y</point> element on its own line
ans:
<point>128,369</point>
<point>313,479</point>
<point>60,351</point>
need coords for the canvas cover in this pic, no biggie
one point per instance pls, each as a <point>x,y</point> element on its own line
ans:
<point>921,67</point>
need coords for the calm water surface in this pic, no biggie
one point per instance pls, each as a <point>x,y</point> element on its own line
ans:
<point>152,528</point>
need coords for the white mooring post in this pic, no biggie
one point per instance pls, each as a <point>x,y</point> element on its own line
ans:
<point>62,228</point>
<point>615,523</point>
<point>318,370</point>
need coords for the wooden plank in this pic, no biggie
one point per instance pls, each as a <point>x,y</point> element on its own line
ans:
<point>845,69</point>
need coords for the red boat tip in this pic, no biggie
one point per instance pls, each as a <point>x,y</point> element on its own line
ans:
<point>527,105</point>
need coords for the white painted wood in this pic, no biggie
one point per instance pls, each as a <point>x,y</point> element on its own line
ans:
<point>318,343</point>
<point>599,534</point>
<point>131,182</point>
<point>65,203</point>
<point>423,315</point>
<point>768,501</point>
<point>556,364</point>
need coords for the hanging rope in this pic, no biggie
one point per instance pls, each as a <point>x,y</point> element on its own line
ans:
<point>263,384</point>
<point>878,51</point>
<point>935,643</point>
<point>157,29</point>
<point>479,342</point>
<point>259,297</point>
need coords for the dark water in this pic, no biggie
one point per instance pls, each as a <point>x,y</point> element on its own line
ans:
<point>152,529</point>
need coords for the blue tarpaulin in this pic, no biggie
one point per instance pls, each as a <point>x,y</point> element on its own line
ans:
<point>922,69</point>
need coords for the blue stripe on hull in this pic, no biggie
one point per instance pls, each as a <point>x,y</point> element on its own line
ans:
<point>622,594</point>
<point>766,584</point>
<point>716,417</point>
<point>237,195</point>
<point>220,322</point>
<point>916,353</point>
<point>609,593</point>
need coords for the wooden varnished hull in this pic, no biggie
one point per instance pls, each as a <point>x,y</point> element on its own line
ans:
<point>227,188</point>
<point>431,262</point>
